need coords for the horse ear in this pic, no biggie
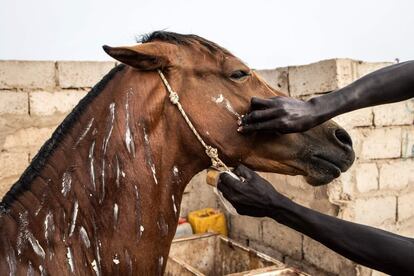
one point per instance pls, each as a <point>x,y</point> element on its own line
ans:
<point>147,56</point>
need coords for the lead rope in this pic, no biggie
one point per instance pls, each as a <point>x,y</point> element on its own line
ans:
<point>209,150</point>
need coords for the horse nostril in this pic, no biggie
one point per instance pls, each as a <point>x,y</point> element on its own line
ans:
<point>343,137</point>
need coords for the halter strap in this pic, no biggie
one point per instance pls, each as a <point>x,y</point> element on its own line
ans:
<point>209,150</point>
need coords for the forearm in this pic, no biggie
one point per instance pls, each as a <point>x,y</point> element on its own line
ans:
<point>387,85</point>
<point>365,245</point>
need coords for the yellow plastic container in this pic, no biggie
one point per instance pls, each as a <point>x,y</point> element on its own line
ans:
<point>208,220</point>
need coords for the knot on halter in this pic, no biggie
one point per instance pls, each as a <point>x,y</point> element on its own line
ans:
<point>212,153</point>
<point>215,160</point>
<point>174,97</point>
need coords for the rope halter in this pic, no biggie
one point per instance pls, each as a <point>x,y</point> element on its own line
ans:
<point>210,151</point>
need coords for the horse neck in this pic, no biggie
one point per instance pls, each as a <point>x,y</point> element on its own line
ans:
<point>126,161</point>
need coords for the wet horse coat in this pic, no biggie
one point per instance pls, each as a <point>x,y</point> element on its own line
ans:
<point>103,195</point>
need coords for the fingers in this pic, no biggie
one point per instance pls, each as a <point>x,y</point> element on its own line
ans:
<point>263,114</point>
<point>251,176</point>
<point>258,103</point>
<point>228,187</point>
<point>259,115</point>
<point>267,125</point>
<point>244,172</point>
<point>228,181</point>
<point>231,186</point>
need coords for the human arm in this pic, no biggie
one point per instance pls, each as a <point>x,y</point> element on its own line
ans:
<point>285,115</point>
<point>372,247</point>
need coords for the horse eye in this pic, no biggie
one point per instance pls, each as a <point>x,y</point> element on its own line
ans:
<point>239,74</point>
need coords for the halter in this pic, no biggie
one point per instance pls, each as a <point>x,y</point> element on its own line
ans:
<point>209,150</point>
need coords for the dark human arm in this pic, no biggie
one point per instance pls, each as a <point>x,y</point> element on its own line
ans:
<point>285,115</point>
<point>372,247</point>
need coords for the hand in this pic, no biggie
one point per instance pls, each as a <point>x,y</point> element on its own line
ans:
<point>253,196</point>
<point>281,115</point>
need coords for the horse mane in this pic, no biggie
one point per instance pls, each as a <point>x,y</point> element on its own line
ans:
<point>50,145</point>
<point>181,39</point>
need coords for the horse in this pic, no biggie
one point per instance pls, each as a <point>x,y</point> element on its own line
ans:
<point>102,196</point>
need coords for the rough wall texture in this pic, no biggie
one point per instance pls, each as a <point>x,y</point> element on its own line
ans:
<point>378,190</point>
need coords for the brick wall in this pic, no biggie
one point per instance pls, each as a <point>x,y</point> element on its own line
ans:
<point>36,96</point>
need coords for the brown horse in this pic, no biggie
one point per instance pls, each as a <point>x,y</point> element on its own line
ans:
<point>102,195</point>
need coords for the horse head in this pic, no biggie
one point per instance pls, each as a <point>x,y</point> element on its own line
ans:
<point>215,88</point>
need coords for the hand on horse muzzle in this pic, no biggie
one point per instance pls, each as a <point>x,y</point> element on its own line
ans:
<point>279,114</point>
<point>253,196</point>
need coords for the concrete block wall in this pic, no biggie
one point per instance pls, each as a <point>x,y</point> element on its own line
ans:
<point>378,190</point>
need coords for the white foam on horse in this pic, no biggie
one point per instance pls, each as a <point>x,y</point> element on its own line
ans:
<point>221,100</point>
<point>116,213</point>
<point>66,183</point>
<point>37,248</point>
<point>149,159</point>
<point>174,205</point>
<point>22,232</point>
<point>84,132</point>
<point>48,226</point>
<point>74,217</point>
<point>154,173</point>
<point>98,257</point>
<point>118,171</point>
<point>42,271</point>
<point>175,171</point>
<point>129,140</point>
<point>161,262</point>
<point>111,120</point>
<point>95,267</point>
<point>92,164</point>
<point>11,261</point>
<point>69,258</point>
<point>115,260</point>
<point>84,237</point>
